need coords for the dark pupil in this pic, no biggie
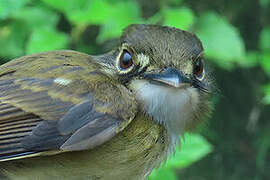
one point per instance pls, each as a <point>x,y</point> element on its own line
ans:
<point>198,69</point>
<point>126,60</point>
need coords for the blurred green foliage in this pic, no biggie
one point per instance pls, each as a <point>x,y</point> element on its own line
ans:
<point>193,148</point>
<point>220,40</point>
<point>31,26</point>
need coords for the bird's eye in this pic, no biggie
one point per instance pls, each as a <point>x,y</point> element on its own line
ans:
<point>126,60</point>
<point>198,69</point>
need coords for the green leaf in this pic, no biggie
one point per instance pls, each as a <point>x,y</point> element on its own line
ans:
<point>40,17</point>
<point>252,59</point>
<point>266,90</point>
<point>119,17</point>
<point>222,42</point>
<point>156,18</point>
<point>265,39</point>
<point>68,7</point>
<point>264,3</point>
<point>265,63</point>
<point>8,7</point>
<point>81,12</point>
<point>98,12</point>
<point>266,99</point>
<point>163,174</point>
<point>193,148</point>
<point>12,39</point>
<point>46,39</point>
<point>181,18</point>
<point>113,16</point>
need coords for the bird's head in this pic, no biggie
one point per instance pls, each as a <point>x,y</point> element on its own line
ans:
<point>165,70</point>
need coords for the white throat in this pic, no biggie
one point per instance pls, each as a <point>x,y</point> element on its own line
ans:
<point>172,107</point>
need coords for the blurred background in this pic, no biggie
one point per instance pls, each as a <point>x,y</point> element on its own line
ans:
<point>235,144</point>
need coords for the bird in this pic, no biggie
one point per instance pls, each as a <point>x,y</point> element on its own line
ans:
<point>69,115</point>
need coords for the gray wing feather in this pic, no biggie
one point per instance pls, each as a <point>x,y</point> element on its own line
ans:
<point>80,129</point>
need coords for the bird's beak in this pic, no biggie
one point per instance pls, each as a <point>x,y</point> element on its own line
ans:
<point>169,76</point>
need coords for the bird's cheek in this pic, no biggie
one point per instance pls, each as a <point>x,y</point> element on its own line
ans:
<point>200,108</point>
<point>194,97</point>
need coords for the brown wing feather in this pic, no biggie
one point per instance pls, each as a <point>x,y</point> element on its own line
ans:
<point>21,93</point>
<point>38,114</point>
<point>22,110</point>
<point>15,124</point>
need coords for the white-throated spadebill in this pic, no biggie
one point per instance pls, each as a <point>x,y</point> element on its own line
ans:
<point>72,116</point>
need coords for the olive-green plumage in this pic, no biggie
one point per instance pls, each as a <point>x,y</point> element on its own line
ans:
<point>69,115</point>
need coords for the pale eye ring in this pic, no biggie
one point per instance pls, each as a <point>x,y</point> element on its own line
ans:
<point>198,69</point>
<point>126,60</point>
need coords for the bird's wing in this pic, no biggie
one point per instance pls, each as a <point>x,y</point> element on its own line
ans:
<point>60,107</point>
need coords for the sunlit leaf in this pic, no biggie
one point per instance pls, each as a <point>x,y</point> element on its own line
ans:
<point>8,7</point>
<point>265,62</point>
<point>12,39</point>
<point>97,12</point>
<point>39,17</point>
<point>45,39</point>
<point>83,11</point>
<point>266,90</point>
<point>181,18</point>
<point>163,174</point>
<point>113,16</point>
<point>68,6</point>
<point>265,40</point>
<point>193,148</point>
<point>222,42</point>
<point>122,14</point>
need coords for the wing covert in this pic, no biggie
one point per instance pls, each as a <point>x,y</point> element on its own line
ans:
<point>67,112</point>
